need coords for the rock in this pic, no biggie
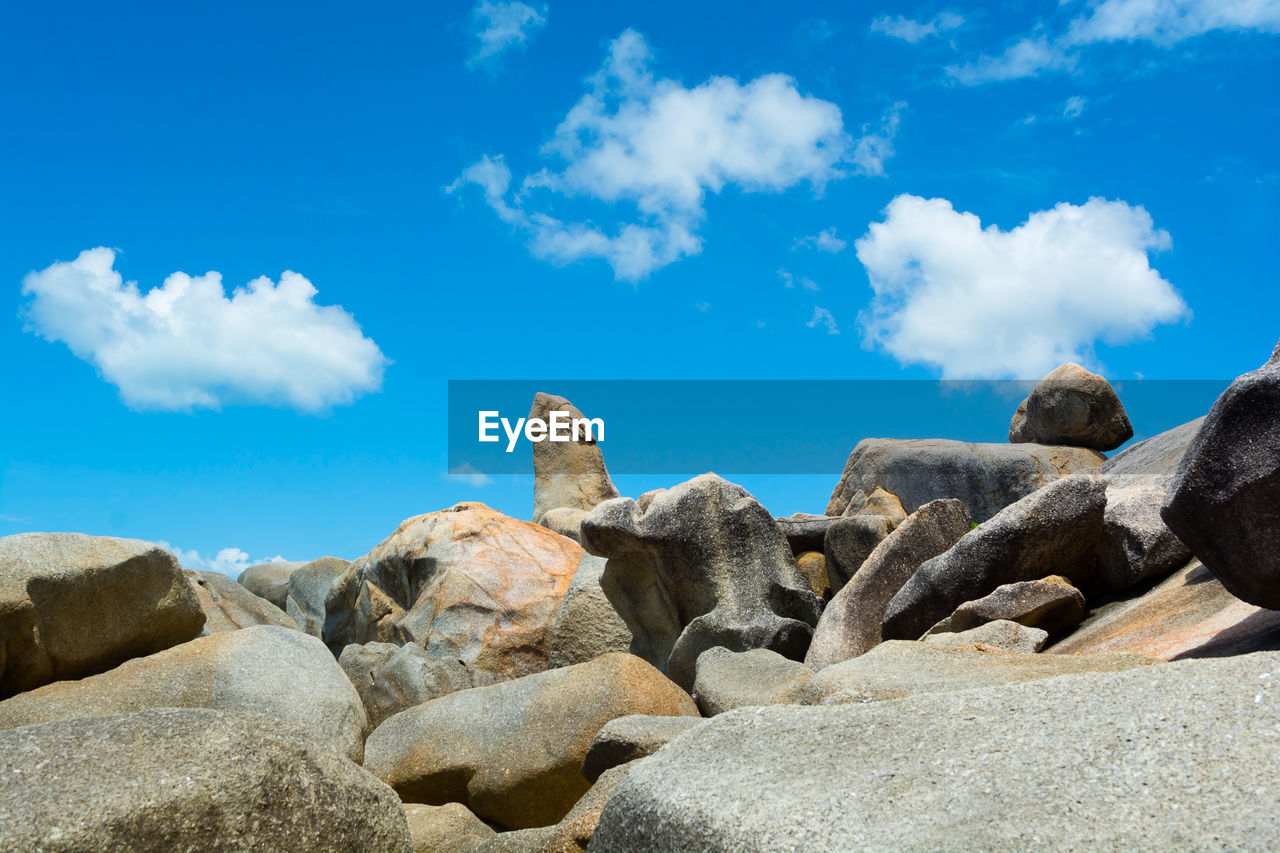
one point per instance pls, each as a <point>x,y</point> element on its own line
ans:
<point>630,738</point>
<point>804,531</point>
<point>849,543</point>
<point>884,504</point>
<point>574,832</point>
<point>278,671</point>
<point>188,780</point>
<point>1224,502</point>
<point>727,680</point>
<point>72,605</point>
<point>1136,543</point>
<point>228,606</point>
<point>1072,406</point>
<point>987,477</point>
<point>513,752</point>
<point>812,566</point>
<point>1001,635</point>
<point>1152,462</point>
<point>1054,531</point>
<point>308,588</point>
<point>565,521</point>
<point>466,583</point>
<point>533,840</point>
<point>702,564</point>
<point>587,626</point>
<point>566,474</point>
<point>270,580</point>
<point>1051,604</point>
<point>450,828</point>
<point>391,678</point>
<point>1087,762</point>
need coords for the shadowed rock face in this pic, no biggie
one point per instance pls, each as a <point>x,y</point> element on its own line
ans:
<point>630,738</point>
<point>587,626</point>
<point>308,589</point>
<point>702,564</point>
<point>1074,407</point>
<point>566,474</point>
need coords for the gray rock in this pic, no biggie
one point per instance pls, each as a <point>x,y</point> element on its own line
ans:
<point>851,623</point>
<point>450,828</point>
<point>228,606</point>
<point>702,564</point>
<point>987,477</point>
<point>1051,604</point>
<point>630,738</point>
<point>565,521</point>
<point>1001,634</point>
<point>1224,503</point>
<point>1072,406</point>
<point>805,531</point>
<point>270,580</point>
<point>72,605</point>
<point>188,780</point>
<point>850,541</point>
<point>1107,761</point>
<point>308,588</point>
<point>1152,462</point>
<point>587,626</point>
<point>391,678</point>
<point>533,840</point>
<point>727,680</point>
<point>1136,543</point>
<point>566,474</point>
<point>1054,531</point>
<point>278,671</point>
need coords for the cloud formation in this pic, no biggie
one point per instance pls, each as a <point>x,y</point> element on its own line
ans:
<point>913,31</point>
<point>228,561</point>
<point>824,241</point>
<point>500,26</point>
<point>824,318</point>
<point>186,345</point>
<point>978,302</point>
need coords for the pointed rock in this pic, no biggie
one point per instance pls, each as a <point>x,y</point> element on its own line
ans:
<point>566,474</point>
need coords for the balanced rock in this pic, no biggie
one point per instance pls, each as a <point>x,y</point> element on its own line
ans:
<point>72,605</point>
<point>270,580</point>
<point>450,828</point>
<point>391,678</point>
<point>630,738</point>
<point>566,474</point>
<point>466,582</point>
<point>1050,604</point>
<point>727,680</point>
<point>1001,635</point>
<point>699,565</point>
<point>228,606</point>
<point>587,626</point>
<point>308,589</point>
<point>1136,543</point>
<point>1072,406</point>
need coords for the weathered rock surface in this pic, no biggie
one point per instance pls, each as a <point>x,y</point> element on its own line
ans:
<point>567,522</point>
<point>1107,761</point>
<point>1072,406</point>
<point>278,671</point>
<point>513,752</point>
<point>850,541</point>
<point>1001,635</point>
<point>630,738</point>
<point>391,678</point>
<point>228,606</point>
<point>1224,503</point>
<point>72,605</point>
<point>1154,461</point>
<point>1050,604</point>
<point>574,832</point>
<point>804,531</point>
<point>987,477</point>
<point>450,828</point>
<point>851,622</point>
<point>699,565</point>
<point>812,566</point>
<point>1136,543</point>
<point>308,588</point>
<point>727,680</point>
<point>1054,531</point>
<point>270,580</point>
<point>466,582</point>
<point>566,474</point>
<point>587,626</point>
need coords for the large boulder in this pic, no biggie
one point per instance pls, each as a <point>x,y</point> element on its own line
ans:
<point>228,606</point>
<point>850,624</point>
<point>308,589</point>
<point>726,680</point>
<point>587,626</point>
<point>849,542</point>
<point>513,752</point>
<point>1225,501</point>
<point>1050,604</point>
<point>450,828</point>
<point>72,605</point>
<point>1136,543</point>
<point>1074,407</point>
<point>1001,635</point>
<point>278,671</point>
<point>699,565</point>
<point>270,580</point>
<point>1172,757</point>
<point>391,678</point>
<point>987,477</point>
<point>631,738</point>
<point>467,582</point>
<point>1054,531</point>
<point>566,474</point>
<point>188,780</point>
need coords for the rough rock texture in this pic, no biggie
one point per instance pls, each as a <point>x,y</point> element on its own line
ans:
<point>587,626</point>
<point>513,752</point>
<point>1050,604</point>
<point>1001,635</point>
<point>574,832</point>
<point>630,738</point>
<point>308,588</point>
<point>278,671</point>
<point>849,543</point>
<point>188,780</point>
<point>728,680</point>
<point>270,580</point>
<point>898,668</point>
<point>987,477</point>
<point>72,605</point>
<point>466,582</point>
<point>228,606</point>
<point>850,624</point>
<point>450,828</point>
<point>812,566</point>
<point>567,522</point>
<point>1153,462</point>
<point>1136,543</point>
<point>1074,407</point>
<point>884,504</point>
<point>804,531</point>
<point>1225,501</point>
<point>566,474</point>
<point>1054,531</point>
<point>391,678</point>
<point>1109,761</point>
<point>699,565</point>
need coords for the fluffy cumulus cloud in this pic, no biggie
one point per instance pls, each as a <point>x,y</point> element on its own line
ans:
<point>228,561</point>
<point>911,30</point>
<point>979,302</point>
<point>500,26</point>
<point>187,345</point>
<point>657,147</point>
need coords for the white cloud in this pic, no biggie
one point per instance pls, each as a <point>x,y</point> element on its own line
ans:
<point>499,26</point>
<point>1026,57</point>
<point>1073,107</point>
<point>469,474</point>
<point>913,31</point>
<point>659,147</point>
<point>185,345</point>
<point>789,281</point>
<point>876,145</point>
<point>228,561</point>
<point>980,302</point>
<point>824,241</point>
<point>824,318</point>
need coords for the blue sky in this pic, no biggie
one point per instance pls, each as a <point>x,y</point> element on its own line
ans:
<point>586,191</point>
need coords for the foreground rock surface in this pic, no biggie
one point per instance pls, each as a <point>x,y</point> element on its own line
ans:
<point>391,678</point>
<point>188,780</point>
<point>566,474</point>
<point>1072,406</point>
<point>587,626</point>
<point>72,605</point>
<point>1108,761</point>
<point>228,606</point>
<point>728,680</point>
